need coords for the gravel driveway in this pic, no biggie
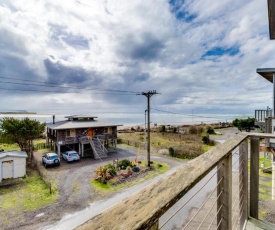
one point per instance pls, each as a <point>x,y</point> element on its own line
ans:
<point>75,192</point>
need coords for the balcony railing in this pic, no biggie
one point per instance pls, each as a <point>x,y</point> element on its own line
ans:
<point>218,190</point>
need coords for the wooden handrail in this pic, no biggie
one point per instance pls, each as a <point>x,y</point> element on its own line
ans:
<point>145,207</point>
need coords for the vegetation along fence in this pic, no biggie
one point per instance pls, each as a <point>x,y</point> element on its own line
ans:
<point>43,174</point>
<point>221,189</point>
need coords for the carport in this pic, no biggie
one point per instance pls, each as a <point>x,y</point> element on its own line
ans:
<point>12,164</point>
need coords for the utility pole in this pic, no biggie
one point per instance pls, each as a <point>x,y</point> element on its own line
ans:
<point>148,94</point>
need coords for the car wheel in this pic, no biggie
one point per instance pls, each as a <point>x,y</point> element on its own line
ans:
<point>45,165</point>
<point>56,161</point>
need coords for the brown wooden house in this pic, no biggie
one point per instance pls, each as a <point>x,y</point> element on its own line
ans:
<point>82,133</point>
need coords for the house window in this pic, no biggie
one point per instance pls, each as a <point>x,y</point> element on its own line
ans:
<point>109,129</point>
<point>72,132</point>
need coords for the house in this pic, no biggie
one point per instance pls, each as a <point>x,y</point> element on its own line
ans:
<point>82,133</point>
<point>13,164</point>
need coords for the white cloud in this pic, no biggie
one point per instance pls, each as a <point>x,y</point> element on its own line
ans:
<point>137,45</point>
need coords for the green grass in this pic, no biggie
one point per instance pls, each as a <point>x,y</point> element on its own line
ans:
<point>108,188</point>
<point>39,141</point>
<point>9,147</point>
<point>30,194</point>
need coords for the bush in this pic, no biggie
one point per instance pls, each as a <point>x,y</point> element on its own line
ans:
<point>135,169</point>
<point>210,130</point>
<point>171,152</point>
<point>162,129</point>
<point>205,139</point>
<point>112,169</point>
<point>123,164</point>
<point>200,129</point>
<point>193,129</point>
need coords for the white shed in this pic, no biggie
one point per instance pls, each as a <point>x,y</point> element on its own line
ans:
<point>12,164</point>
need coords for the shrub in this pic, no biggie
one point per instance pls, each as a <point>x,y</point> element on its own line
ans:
<point>171,152</point>
<point>123,164</point>
<point>135,169</point>
<point>103,174</point>
<point>200,129</point>
<point>205,139</point>
<point>162,129</point>
<point>210,130</point>
<point>112,169</point>
<point>193,129</point>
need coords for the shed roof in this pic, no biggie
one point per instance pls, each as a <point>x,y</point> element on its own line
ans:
<point>13,153</point>
<point>267,73</point>
<point>271,18</point>
<point>79,124</point>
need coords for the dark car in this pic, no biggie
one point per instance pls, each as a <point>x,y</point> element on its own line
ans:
<point>50,159</point>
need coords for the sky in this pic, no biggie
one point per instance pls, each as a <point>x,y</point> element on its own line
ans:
<point>94,57</point>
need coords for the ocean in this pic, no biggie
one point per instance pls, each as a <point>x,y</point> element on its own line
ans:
<point>139,119</point>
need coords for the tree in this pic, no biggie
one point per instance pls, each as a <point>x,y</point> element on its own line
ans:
<point>210,130</point>
<point>244,124</point>
<point>22,132</point>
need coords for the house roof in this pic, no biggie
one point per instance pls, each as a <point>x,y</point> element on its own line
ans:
<point>271,18</point>
<point>13,153</point>
<point>267,73</point>
<point>79,124</point>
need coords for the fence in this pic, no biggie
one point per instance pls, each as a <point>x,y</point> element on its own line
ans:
<point>43,146</point>
<point>43,174</point>
<point>212,191</point>
<point>137,144</point>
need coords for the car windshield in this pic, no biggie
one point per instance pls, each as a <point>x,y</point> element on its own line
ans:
<point>74,154</point>
<point>54,157</point>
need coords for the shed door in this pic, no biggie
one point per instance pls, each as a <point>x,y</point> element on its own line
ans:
<point>7,169</point>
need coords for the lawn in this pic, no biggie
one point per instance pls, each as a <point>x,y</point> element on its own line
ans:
<point>28,195</point>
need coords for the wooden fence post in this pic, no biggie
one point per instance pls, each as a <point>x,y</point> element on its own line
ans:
<point>224,218</point>
<point>254,177</point>
<point>243,185</point>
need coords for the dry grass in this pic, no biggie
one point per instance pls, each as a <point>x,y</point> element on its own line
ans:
<point>184,145</point>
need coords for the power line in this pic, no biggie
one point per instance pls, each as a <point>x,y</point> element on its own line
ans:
<point>52,84</point>
<point>58,92</point>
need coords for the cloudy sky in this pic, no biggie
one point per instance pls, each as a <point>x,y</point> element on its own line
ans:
<point>76,56</point>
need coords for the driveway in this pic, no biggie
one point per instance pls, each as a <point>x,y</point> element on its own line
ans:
<point>76,194</point>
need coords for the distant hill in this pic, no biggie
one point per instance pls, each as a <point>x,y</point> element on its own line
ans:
<point>15,112</point>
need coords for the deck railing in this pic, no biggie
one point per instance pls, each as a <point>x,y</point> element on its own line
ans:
<point>209,192</point>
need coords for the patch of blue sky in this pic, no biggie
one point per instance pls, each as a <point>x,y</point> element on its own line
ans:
<point>177,7</point>
<point>219,51</point>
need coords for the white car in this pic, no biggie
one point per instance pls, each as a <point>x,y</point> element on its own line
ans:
<point>70,156</point>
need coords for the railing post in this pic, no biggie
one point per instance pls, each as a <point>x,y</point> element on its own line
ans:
<point>224,218</point>
<point>254,177</point>
<point>243,178</point>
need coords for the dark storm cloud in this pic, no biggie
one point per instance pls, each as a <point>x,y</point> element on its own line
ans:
<point>146,48</point>
<point>61,74</point>
<point>16,67</point>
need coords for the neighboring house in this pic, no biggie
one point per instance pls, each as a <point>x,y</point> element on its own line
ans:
<point>13,164</point>
<point>83,134</point>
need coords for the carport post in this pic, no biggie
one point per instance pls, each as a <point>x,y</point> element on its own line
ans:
<point>58,147</point>
<point>273,95</point>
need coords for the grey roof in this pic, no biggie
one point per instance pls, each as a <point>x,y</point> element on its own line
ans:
<point>79,124</point>
<point>271,18</point>
<point>13,153</point>
<point>267,73</point>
